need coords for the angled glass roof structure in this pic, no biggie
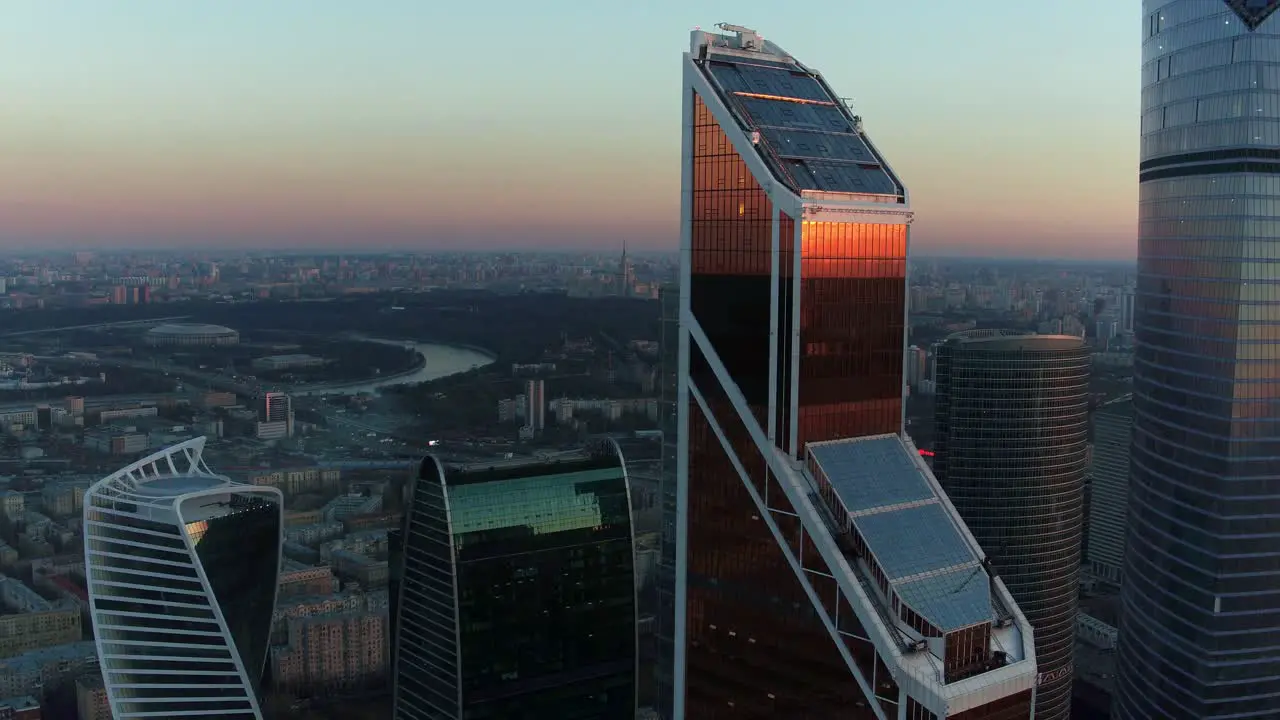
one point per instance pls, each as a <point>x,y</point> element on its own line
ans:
<point>776,81</point>
<point>915,540</point>
<point>882,488</point>
<point>806,135</point>
<point>871,473</point>
<point>1253,12</point>
<point>954,599</point>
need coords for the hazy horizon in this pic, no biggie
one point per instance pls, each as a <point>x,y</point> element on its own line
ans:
<point>420,126</point>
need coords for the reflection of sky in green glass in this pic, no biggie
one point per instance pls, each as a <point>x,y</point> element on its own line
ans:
<point>545,504</point>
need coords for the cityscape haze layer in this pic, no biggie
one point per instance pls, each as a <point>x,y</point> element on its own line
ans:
<point>701,393</point>
<point>312,126</point>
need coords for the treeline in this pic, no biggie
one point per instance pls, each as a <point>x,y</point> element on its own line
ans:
<point>348,360</point>
<point>45,318</point>
<point>120,381</point>
<point>467,404</point>
<point>518,328</point>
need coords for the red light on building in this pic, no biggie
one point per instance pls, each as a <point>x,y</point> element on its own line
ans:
<point>926,453</point>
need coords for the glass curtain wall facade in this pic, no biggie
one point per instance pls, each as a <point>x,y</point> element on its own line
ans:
<point>668,419</point>
<point>517,595</point>
<point>642,458</point>
<point>1109,483</point>
<point>792,335</point>
<point>1200,622</point>
<point>1011,450</point>
<point>182,568</point>
<point>395,499</point>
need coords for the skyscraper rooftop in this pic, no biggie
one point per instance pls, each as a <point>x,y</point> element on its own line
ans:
<point>887,497</point>
<point>825,572</point>
<point>803,131</point>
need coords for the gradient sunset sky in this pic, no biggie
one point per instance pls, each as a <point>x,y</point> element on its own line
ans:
<point>439,124</point>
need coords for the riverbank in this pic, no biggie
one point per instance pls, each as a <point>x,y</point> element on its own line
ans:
<point>419,363</point>
<point>436,360</point>
<point>493,357</point>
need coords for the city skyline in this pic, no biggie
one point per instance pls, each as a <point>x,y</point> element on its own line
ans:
<point>331,128</point>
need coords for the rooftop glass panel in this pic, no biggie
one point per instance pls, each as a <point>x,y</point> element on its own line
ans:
<point>794,116</point>
<point>840,177</point>
<point>872,473</point>
<point>172,485</point>
<point>807,136</point>
<point>778,82</point>
<point>775,63</point>
<point>952,600</point>
<point>536,505</point>
<point>914,540</point>
<point>818,145</point>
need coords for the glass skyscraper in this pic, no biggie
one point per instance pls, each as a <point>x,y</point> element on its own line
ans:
<point>516,594</point>
<point>668,423</point>
<point>1011,451</point>
<point>1200,622</point>
<point>642,458</point>
<point>182,567</point>
<point>820,570</point>
<point>1109,482</point>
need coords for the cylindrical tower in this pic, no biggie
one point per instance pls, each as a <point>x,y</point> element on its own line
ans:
<point>1010,449</point>
<point>1200,611</point>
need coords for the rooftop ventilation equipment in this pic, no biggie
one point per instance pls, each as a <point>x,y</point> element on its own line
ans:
<point>748,39</point>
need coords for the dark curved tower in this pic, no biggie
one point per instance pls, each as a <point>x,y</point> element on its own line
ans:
<point>1011,452</point>
<point>516,593</point>
<point>1200,610</point>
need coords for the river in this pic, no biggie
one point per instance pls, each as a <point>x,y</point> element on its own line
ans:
<point>438,361</point>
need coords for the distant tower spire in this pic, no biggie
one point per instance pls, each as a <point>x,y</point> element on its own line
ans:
<point>624,272</point>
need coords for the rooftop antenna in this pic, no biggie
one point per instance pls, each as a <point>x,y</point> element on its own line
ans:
<point>749,39</point>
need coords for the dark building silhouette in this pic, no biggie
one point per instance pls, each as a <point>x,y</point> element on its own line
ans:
<point>395,575</point>
<point>668,423</point>
<point>642,458</point>
<point>820,571</point>
<point>1109,469</point>
<point>1011,450</point>
<point>516,592</point>
<point>395,499</point>
<point>1200,599</point>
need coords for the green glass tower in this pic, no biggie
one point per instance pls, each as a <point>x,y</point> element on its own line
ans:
<point>516,594</point>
